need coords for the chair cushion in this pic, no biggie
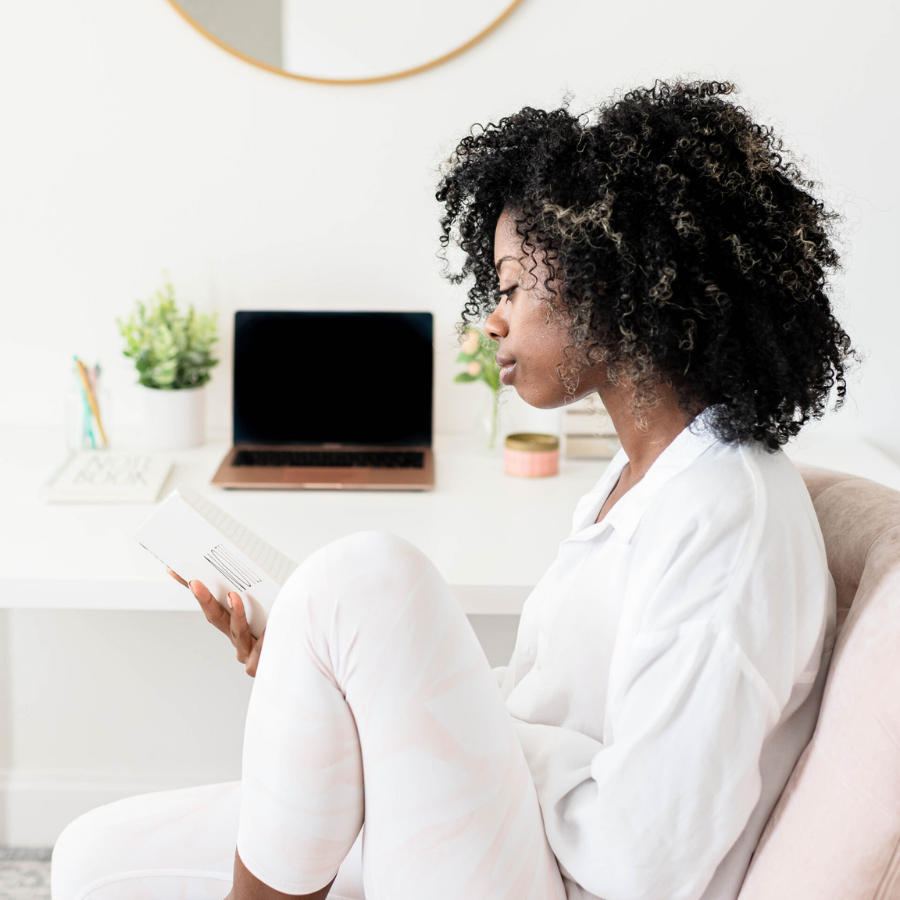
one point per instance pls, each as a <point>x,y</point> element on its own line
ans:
<point>835,832</point>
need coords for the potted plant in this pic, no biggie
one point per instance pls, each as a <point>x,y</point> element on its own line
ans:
<point>478,352</point>
<point>173,357</point>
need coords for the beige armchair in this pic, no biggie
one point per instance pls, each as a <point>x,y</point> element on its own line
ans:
<point>835,832</point>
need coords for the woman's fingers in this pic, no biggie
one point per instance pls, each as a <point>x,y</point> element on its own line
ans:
<point>178,578</point>
<point>253,660</point>
<point>233,623</point>
<point>240,628</point>
<point>214,613</point>
<point>210,606</point>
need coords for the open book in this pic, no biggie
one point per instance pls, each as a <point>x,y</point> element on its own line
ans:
<point>196,539</point>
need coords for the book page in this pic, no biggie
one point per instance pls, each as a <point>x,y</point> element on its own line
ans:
<point>275,564</point>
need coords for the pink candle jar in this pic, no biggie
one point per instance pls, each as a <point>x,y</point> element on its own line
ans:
<point>531,455</point>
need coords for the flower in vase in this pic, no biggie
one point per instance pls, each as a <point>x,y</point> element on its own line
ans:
<point>477,352</point>
<point>471,342</point>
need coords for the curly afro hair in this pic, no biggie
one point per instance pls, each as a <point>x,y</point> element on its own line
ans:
<point>686,246</point>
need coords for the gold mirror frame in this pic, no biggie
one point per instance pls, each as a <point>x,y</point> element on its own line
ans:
<point>378,78</point>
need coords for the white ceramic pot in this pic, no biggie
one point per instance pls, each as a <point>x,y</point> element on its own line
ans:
<point>172,420</point>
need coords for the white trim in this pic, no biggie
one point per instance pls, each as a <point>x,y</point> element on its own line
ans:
<point>36,804</point>
<point>35,593</point>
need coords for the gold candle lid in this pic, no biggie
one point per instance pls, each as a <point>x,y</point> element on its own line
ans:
<point>532,443</point>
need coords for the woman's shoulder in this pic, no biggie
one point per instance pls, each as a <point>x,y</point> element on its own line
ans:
<point>741,482</point>
<point>750,529</point>
<point>739,517</point>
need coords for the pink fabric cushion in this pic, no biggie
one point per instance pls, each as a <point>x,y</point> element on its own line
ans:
<point>835,832</point>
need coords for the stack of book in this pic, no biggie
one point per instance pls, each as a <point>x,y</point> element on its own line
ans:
<point>588,430</point>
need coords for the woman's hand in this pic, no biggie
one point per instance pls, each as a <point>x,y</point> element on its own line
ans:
<point>233,624</point>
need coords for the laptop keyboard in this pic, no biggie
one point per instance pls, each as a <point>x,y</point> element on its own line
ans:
<point>369,459</point>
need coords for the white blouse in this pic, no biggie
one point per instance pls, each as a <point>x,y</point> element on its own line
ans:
<point>668,670</point>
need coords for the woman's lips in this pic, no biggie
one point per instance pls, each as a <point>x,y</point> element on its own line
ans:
<point>506,370</point>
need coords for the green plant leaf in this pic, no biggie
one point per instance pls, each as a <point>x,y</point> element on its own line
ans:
<point>171,349</point>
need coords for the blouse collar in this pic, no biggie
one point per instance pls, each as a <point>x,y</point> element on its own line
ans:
<point>626,514</point>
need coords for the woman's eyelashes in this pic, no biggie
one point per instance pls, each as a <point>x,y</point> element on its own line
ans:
<point>507,292</point>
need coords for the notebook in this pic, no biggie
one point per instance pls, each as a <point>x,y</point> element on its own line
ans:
<point>331,400</point>
<point>198,540</point>
<point>109,476</point>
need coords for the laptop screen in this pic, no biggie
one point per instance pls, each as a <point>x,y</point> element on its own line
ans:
<point>333,378</point>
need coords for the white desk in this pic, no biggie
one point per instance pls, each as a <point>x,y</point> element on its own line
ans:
<point>481,528</point>
<point>490,535</point>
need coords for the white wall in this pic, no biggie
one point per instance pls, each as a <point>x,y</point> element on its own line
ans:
<point>104,705</point>
<point>131,144</point>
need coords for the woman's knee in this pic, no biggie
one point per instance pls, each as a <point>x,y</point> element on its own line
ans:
<point>355,571</point>
<point>164,833</point>
<point>375,573</point>
<point>76,861</point>
<point>364,550</point>
<point>354,596</point>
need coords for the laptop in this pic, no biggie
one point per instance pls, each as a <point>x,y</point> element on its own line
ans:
<point>332,400</point>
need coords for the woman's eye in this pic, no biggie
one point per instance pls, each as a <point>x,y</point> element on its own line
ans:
<point>505,295</point>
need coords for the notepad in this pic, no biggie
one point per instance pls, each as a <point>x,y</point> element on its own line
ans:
<point>198,540</point>
<point>109,476</point>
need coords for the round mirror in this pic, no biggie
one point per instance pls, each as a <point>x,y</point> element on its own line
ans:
<point>345,41</point>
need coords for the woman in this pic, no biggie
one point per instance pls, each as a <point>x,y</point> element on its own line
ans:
<point>667,670</point>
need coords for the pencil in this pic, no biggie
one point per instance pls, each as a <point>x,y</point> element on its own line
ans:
<point>92,400</point>
<point>87,419</point>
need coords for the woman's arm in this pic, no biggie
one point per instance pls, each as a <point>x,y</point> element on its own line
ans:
<point>654,813</point>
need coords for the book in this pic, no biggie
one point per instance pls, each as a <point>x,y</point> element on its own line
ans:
<point>197,540</point>
<point>591,446</point>
<point>109,476</point>
<point>588,430</point>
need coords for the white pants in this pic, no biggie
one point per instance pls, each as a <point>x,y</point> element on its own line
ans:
<point>373,702</point>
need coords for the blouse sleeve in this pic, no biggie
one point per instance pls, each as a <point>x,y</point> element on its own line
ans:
<point>653,814</point>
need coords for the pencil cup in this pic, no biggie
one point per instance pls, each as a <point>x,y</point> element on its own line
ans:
<point>81,430</point>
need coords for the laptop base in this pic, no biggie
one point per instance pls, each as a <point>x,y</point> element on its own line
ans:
<point>322,478</point>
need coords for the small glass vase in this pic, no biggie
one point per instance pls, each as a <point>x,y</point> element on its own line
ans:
<point>489,424</point>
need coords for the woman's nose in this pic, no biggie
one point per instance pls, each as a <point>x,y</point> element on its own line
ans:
<point>496,326</point>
